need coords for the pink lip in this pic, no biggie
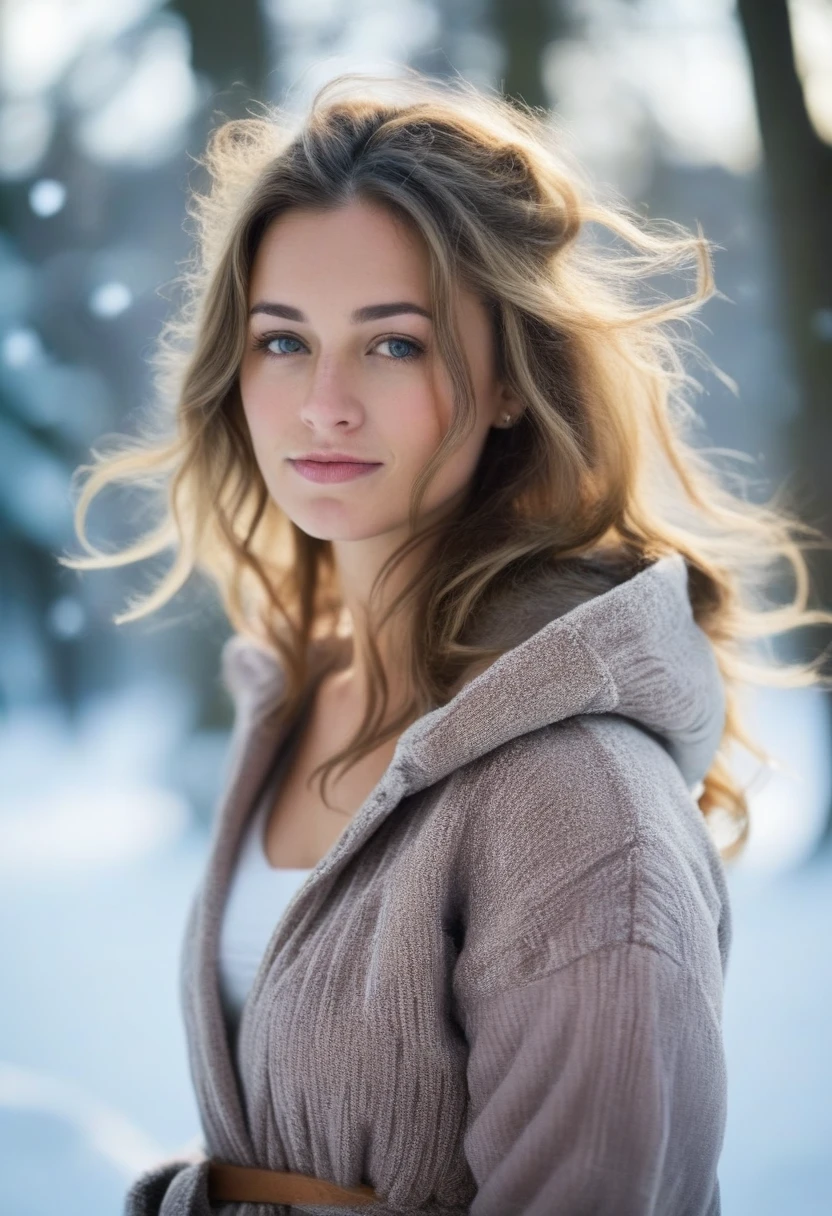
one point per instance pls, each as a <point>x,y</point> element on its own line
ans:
<point>332,470</point>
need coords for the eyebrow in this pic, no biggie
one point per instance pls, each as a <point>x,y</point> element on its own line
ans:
<point>370,312</point>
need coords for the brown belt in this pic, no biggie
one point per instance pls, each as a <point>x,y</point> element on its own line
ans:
<point>242,1184</point>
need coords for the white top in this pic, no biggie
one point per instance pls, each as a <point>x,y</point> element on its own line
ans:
<point>258,895</point>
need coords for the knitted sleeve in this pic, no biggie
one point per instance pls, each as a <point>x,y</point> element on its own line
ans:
<point>598,1089</point>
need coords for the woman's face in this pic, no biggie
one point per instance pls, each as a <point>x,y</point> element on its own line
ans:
<point>341,357</point>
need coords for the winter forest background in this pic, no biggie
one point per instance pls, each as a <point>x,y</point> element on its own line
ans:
<point>112,739</point>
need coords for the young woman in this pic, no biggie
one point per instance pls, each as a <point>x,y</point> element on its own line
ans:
<point>463,929</point>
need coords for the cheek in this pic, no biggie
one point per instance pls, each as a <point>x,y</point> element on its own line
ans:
<point>262,409</point>
<point>442,392</point>
<point>400,414</point>
<point>457,470</point>
<point>251,393</point>
<point>435,420</point>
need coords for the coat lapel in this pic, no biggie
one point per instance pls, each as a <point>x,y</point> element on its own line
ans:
<point>215,1079</point>
<point>253,748</point>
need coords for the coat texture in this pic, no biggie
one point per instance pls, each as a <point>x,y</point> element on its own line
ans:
<point>500,992</point>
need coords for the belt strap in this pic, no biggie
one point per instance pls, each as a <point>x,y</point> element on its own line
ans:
<point>242,1184</point>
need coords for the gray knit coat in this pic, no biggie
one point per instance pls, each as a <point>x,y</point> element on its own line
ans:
<point>500,991</point>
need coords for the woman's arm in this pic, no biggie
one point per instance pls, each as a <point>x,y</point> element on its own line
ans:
<point>598,1090</point>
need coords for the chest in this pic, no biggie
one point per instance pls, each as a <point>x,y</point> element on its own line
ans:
<point>351,1038</point>
<point>300,828</point>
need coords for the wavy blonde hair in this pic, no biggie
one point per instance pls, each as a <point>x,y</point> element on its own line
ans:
<point>601,457</point>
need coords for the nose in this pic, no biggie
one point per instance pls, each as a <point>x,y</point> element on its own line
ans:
<point>331,400</point>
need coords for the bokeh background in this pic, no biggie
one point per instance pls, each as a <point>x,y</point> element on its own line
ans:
<point>112,738</point>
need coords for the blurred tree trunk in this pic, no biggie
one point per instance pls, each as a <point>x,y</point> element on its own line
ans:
<point>230,51</point>
<point>32,580</point>
<point>799,175</point>
<point>524,28</point>
<point>230,48</point>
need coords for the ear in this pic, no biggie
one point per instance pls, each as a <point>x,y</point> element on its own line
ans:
<point>506,401</point>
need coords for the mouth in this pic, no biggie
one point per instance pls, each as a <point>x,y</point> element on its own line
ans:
<point>333,470</point>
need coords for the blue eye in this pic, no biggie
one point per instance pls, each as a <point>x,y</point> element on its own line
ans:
<point>399,342</point>
<point>286,338</point>
<point>403,349</point>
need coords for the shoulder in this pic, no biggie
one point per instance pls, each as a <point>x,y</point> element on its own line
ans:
<point>251,670</point>
<point>581,836</point>
<point>247,668</point>
<point>589,785</point>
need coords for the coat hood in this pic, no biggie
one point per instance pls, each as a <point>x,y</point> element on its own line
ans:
<point>587,636</point>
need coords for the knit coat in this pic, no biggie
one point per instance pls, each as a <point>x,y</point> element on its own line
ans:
<point>500,992</point>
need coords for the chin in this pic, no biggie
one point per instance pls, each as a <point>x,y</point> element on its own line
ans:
<point>342,529</point>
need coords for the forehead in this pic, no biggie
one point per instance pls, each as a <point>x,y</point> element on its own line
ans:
<point>354,247</point>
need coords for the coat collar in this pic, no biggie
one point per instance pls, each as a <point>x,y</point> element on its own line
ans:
<point>582,638</point>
